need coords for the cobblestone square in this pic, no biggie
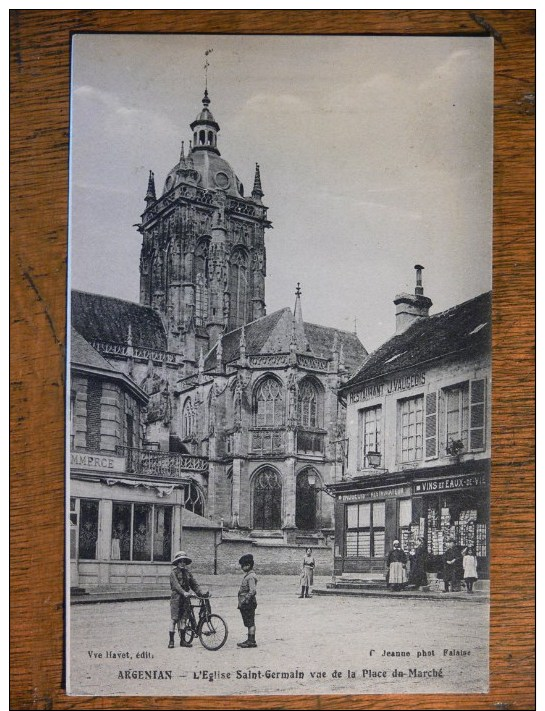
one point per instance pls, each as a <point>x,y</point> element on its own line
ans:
<point>334,645</point>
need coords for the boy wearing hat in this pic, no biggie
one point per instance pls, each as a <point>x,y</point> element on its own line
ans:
<point>182,583</point>
<point>247,599</point>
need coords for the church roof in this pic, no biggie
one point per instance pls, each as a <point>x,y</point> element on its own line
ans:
<point>273,333</point>
<point>84,357</point>
<point>466,327</point>
<point>105,318</point>
<point>82,353</point>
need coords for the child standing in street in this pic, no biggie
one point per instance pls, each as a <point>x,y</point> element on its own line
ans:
<point>469,561</point>
<point>182,583</point>
<point>247,601</point>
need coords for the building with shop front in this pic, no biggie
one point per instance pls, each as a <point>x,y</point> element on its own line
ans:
<point>223,414</point>
<point>419,439</point>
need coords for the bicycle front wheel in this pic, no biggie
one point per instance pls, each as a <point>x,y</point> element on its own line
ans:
<point>213,632</point>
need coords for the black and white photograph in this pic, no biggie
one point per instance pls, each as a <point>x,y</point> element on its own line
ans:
<point>279,388</point>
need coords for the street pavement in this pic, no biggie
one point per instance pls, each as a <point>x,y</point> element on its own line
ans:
<point>329,644</point>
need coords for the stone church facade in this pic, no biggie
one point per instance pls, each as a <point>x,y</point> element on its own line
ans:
<point>237,407</point>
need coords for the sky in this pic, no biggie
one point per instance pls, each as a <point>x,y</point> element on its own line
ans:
<point>375,155</point>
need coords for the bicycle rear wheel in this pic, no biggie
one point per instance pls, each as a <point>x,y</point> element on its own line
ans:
<point>213,632</point>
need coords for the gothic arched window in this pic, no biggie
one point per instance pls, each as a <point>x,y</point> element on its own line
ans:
<point>193,498</point>
<point>269,403</point>
<point>308,405</point>
<point>188,419</point>
<point>306,501</point>
<point>239,287</point>
<point>267,491</point>
<point>201,283</point>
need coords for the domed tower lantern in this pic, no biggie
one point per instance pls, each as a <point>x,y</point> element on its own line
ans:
<point>205,129</point>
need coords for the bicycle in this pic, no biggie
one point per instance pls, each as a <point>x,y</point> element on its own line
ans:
<point>211,629</point>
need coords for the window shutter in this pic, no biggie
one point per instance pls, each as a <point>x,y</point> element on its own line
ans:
<point>431,425</point>
<point>477,396</point>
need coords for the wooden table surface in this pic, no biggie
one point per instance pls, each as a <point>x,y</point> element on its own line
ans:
<point>39,87</point>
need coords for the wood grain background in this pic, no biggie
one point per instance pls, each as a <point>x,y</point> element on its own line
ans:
<point>39,86</point>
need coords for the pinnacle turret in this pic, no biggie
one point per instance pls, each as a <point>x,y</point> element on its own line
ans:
<point>257,192</point>
<point>150,195</point>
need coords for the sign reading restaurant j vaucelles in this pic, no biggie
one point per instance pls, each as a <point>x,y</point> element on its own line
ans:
<point>387,387</point>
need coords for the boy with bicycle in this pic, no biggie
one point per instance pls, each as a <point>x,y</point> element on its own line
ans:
<point>182,583</point>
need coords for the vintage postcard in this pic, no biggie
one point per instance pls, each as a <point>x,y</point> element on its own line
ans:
<point>279,368</point>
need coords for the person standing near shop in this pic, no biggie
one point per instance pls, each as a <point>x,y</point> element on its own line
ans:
<point>397,567</point>
<point>452,567</point>
<point>247,600</point>
<point>469,562</point>
<point>307,573</point>
<point>419,561</point>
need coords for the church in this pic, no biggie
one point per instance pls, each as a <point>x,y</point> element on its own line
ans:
<point>196,413</point>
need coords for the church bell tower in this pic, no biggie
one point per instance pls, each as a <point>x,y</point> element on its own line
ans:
<point>203,260</point>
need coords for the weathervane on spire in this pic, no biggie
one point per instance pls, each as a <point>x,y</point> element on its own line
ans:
<point>298,289</point>
<point>206,65</point>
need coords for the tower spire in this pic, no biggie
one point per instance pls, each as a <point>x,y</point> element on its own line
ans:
<point>298,332</point>
<point>150,195</point>
<point>257,192</point>
<point>206,65</point>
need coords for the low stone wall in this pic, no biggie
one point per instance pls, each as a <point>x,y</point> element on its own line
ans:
<point>272,558</point>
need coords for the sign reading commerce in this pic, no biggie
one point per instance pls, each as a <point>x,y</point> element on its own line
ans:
<point>97,462</point>
<point>405,382</point>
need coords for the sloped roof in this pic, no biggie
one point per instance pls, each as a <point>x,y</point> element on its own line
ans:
<point>82,353</point>
<point>193,520</point>
<point>273,333</point>
<point>83,356</point>
<point>322,338</point>
<point>105,318</point>
<point>464,327</point>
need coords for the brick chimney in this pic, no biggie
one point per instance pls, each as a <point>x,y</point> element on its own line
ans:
<point>410,307</point>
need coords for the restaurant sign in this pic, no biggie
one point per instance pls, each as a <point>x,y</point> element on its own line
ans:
<point>383,493</point>
<point>448,483</point>
<point>395,385</point>
<point>97,462</point>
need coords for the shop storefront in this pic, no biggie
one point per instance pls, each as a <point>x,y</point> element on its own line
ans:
<point>452,503</point>
<point>368,518</point>
<point>435,505</point>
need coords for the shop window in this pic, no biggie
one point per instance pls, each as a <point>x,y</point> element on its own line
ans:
<point>141,532</point>
<point>461,516</point>
<point>88,529</point>
<point>410,429</point>
<point>370,426</point>
<point>162,533</point>
<point>269,404</point>
<point>73,529</point>
<point>365,530</point>
<point>404,517</point>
